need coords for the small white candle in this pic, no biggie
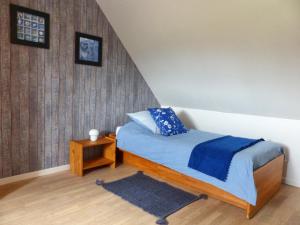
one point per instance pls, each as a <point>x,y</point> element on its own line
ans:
<point>94,133</point>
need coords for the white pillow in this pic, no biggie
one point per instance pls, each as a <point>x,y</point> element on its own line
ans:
<point>144,119</point>
<point>118,129</point>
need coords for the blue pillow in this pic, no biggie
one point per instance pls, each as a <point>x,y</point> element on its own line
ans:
<point>167,121</point>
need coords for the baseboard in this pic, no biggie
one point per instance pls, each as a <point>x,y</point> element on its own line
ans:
<point>291,182</point>
<point>33,174</point>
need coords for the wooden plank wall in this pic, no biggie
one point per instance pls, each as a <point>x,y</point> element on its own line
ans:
<point>46,99</point>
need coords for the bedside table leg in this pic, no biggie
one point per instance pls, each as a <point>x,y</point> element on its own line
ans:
<point>80,162</point>
<point>72,158</point>
<point>113,165</point>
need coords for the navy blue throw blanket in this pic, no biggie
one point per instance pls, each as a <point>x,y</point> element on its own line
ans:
<point>214,157</point>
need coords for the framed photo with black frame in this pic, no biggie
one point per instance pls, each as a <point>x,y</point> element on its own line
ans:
<point>29,27</point>
<point>88,49</point>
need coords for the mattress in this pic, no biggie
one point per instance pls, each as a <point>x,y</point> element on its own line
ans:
<point>174,152</point>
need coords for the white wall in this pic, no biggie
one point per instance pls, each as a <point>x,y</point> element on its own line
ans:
<point>283,131</point>
<point>239,56</point>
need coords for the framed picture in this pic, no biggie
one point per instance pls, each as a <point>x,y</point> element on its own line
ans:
<point>29,27</point>
<point>88,49</point>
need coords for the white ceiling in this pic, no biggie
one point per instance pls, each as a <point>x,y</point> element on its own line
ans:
<point>233,56</point>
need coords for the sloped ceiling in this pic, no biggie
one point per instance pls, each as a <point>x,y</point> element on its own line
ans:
<point>232,56</point>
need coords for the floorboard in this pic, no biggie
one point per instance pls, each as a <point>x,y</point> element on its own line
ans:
<point>66,199</point>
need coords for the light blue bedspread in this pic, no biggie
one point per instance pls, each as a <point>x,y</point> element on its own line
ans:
<point>174,152</point>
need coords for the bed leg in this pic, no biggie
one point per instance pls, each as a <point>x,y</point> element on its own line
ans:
<point>249,212</point>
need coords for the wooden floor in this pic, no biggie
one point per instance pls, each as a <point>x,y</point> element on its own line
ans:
<point>65,199</point>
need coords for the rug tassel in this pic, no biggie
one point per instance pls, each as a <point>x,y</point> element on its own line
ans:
<point>203,196</point>
<point>162,221</point>
<point>99,182</point>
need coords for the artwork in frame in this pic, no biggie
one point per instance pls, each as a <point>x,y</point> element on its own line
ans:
<point>88,49</point>
<point>29,27</point>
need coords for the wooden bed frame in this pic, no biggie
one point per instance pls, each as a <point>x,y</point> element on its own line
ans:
<point>267,180</point>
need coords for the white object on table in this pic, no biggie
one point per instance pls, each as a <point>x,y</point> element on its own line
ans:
<point>94,133</point>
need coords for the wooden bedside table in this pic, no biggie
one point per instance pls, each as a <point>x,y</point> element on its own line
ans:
<point>77,148</point>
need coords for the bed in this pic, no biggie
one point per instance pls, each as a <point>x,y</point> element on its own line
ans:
<point>254,176</point>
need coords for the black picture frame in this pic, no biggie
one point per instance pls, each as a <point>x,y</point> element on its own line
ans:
<point>35,25</point>
<point>79,39</point>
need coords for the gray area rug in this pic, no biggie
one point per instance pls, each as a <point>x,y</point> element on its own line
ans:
<point>157,198</point>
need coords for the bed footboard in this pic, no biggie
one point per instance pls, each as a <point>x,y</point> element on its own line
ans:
<point>267,181</point>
